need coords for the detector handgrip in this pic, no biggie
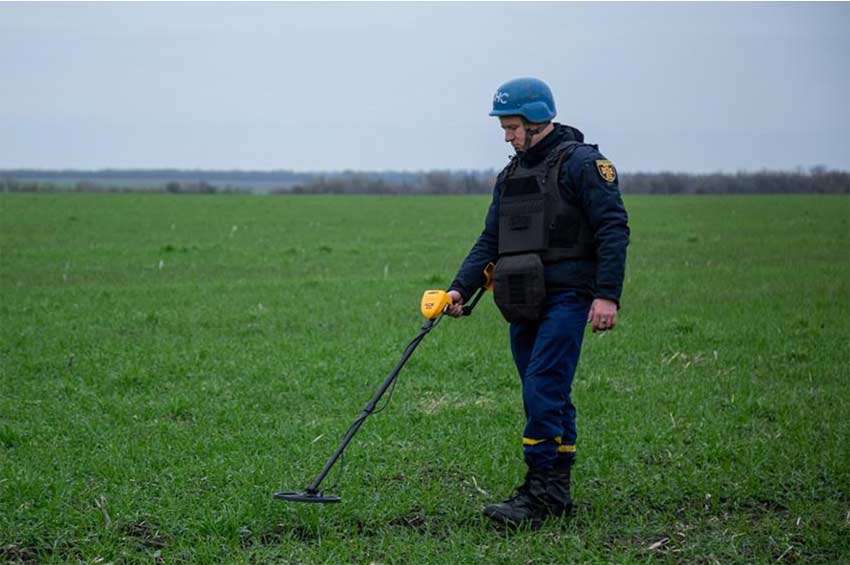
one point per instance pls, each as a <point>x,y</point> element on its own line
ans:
<point>434,302</point>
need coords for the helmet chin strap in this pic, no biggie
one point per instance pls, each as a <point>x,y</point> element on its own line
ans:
<point>529,133</point>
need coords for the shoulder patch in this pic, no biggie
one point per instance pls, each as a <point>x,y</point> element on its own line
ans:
<point>606,170</point>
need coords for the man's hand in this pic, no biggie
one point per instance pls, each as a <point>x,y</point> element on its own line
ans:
<point>603,315</point>
<point>455,310</point>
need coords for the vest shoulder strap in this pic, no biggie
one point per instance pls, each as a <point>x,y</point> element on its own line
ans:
<point>508,169</point>
<point>562,152</point>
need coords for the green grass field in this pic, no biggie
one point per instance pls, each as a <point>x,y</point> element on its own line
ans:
<point>168,362</point>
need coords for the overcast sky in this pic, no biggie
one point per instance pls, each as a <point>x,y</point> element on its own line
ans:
<point>683,87</point>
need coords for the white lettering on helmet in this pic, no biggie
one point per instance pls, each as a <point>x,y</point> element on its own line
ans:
<point>501,97</point>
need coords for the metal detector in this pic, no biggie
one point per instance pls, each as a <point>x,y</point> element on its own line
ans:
<point>433,307</point>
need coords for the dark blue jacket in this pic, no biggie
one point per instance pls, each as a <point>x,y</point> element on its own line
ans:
<point>602,204</point>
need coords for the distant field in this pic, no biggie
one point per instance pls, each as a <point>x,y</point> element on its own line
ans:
<point>168,362</point>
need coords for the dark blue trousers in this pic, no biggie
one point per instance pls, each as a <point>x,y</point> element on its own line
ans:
<point>546,354</point>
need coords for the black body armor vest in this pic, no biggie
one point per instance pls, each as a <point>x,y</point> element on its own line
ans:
<point>535,216</point>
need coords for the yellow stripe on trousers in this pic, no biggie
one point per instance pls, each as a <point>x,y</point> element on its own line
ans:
<point>530,441</point>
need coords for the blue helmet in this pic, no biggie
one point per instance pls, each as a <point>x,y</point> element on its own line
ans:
<point>530,98</point>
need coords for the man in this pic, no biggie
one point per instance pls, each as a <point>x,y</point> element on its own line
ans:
<point>557,231</point>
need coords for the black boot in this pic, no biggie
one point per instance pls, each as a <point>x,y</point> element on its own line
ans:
<point>559,501</point>
<point>544,493</point>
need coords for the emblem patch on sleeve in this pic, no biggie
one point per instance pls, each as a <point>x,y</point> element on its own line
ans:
<point>606,170</point>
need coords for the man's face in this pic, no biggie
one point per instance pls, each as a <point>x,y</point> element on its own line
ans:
<point>514,131</point>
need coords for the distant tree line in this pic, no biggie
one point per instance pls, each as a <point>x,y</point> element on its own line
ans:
<point>430,182</point>
<point>177,175</point>
<point>817,180</point>
<point>11,184</point>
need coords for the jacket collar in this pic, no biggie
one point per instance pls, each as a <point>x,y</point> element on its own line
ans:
<point>558,135</point>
